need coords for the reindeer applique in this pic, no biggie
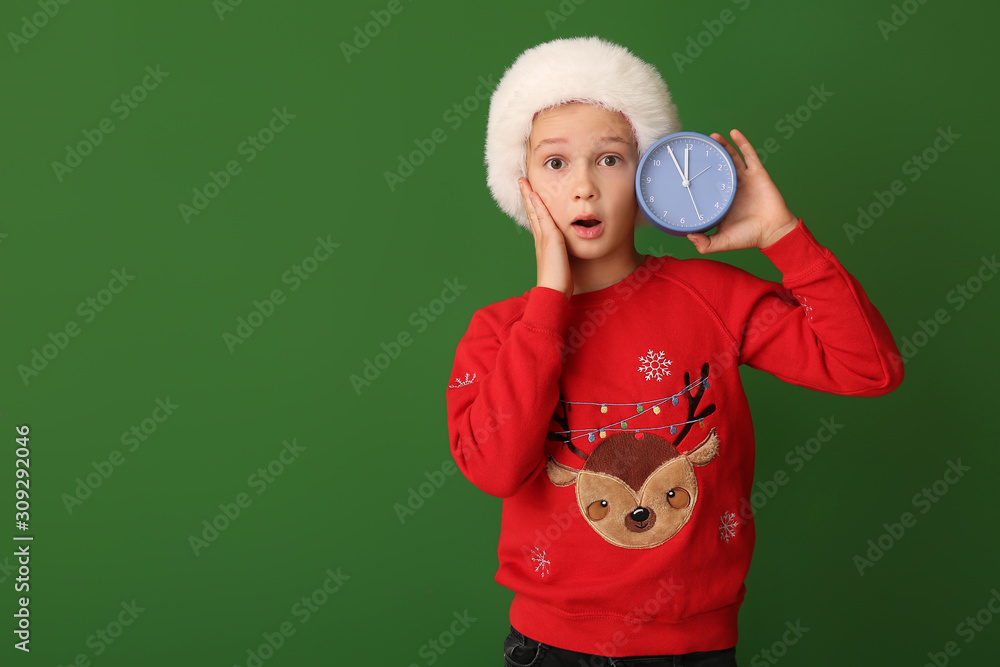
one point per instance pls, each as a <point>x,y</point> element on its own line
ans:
<point>635,488</point>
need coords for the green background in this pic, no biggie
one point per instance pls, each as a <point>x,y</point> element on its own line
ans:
<point>323,176</point>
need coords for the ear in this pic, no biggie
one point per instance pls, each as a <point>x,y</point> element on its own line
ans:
<point>560,474</point>
<point>706,451</point>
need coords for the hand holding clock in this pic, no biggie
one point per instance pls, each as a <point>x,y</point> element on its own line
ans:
<point>758,216</point>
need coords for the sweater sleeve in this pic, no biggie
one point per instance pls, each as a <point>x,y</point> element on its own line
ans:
<point>821,331</point>
<point>503,391</point>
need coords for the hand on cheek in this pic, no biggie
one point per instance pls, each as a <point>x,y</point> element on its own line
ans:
<point>550,244</point>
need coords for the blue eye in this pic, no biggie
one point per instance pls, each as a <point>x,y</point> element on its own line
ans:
<point>554,163</point>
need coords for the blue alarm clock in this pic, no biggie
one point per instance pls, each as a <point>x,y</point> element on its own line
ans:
<point>685,183</point>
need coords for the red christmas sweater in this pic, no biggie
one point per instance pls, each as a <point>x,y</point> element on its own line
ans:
<point>615,427</point>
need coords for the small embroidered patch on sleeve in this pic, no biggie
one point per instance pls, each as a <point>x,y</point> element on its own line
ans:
<point>727,526</point>
<point>802,300</point>
<point>460,382</point>
<point>541,561</point>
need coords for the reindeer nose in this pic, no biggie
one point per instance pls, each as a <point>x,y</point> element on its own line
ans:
<point>640,514</point>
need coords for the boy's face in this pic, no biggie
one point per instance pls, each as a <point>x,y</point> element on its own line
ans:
<point>581,161</point>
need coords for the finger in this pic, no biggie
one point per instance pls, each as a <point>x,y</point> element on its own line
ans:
<point>543,227</point>
<point>718,137</point>
<point>542,216</point>
<point>733,153</point>
<point>705,244</point>
<point>548,231</point>
<point>749,154</point>
<point>529,208</point>
<point>701,242</point>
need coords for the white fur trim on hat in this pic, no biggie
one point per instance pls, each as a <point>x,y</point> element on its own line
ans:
<point>580,69</point>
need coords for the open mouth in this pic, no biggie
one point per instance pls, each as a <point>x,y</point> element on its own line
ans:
<point>587,223</point>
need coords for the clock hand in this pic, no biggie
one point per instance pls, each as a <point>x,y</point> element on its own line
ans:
<point>695,205</point>
<point>684,180</point>
<point>701,172</point>
<point>687,151</point>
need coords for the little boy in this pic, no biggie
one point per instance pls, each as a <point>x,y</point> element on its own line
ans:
<point>604,405</point>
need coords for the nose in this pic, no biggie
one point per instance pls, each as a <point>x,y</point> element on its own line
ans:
<point>640,514</point>
<point>584,187</point>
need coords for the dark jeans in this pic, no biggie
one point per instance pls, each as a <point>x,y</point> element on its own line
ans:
<point>521,651</point>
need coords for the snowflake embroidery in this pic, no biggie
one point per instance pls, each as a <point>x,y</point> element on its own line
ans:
<point>542,562</point>
<point>802,300</point>
<point>727,525</point>
<point>654,365</point>
<point>461,383</point>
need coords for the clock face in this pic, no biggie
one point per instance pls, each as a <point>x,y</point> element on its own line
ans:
<point>685,183</point>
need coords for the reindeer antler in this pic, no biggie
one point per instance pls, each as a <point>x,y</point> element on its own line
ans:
<point>694,398</point>
<point>563,436</point>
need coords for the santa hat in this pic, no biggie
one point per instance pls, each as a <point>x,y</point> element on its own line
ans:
<point>580,69</point>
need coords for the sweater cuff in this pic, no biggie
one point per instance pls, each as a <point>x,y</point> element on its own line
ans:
<point>796,254</point>
<point>547,309</point>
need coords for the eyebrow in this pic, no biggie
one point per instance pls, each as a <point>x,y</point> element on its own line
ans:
<point>600,140</point>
